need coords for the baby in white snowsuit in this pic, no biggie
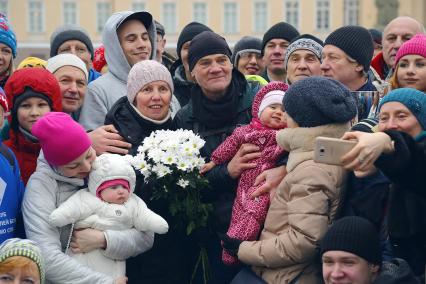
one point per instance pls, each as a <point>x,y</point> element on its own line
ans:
<point>107,204</point>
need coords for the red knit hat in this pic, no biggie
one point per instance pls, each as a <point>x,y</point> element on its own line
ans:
<point>416,45</point>
<point>99,58</point>
<point>61,138</point>
<point>110,183</point>
<point>40,81</point>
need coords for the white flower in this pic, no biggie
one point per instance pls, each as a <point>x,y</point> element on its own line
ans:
<point>182,183</point>
<point>161,170</point>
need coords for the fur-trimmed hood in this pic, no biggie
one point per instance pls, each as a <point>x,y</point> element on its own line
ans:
<point>300,141</point>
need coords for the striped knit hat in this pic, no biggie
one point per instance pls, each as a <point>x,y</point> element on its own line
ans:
<point>25,248</point>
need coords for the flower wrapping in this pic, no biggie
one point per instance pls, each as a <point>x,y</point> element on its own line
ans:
<point>170,161</point>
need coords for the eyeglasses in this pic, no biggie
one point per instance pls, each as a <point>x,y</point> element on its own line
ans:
<point>250,55</point>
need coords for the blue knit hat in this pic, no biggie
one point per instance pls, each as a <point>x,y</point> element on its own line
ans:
<point>413,99</point>
<point>7,36</point>
<point>25,248</point>
<point>316,101</point>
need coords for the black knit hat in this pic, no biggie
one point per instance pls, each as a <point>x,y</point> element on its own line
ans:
<point>206,43</point>
<point>316,101</point>
<point>354,235</point>
<point>246,44</point>
<point>355,41</point>
<point>69,32</point>
<point>188,33</point>
<point>280,30</point>
<point>376,35</point>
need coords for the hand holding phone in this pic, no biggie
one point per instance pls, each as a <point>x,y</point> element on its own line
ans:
<point>330,150</point>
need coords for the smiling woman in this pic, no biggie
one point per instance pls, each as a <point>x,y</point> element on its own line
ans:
<point>410,64</point>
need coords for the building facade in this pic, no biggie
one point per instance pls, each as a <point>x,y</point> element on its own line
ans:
<point>34,20</point>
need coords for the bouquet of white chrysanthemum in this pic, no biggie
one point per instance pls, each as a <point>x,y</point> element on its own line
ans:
<point>170,161</point>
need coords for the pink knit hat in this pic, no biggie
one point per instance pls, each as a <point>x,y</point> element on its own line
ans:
<point>112,182</point>
<point>61,138</point>
<point>416,45</point>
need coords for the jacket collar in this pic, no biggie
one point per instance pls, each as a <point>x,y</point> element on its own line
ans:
<point>300,141</point>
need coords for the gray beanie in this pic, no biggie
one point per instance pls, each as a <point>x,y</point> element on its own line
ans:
<point>25,248</point>
<point>316,101</point>
<point>145,72</point>
<point>246,44</point>
<point>69,32</point>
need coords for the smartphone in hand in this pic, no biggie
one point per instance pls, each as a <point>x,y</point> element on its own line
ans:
<point>331,150</point>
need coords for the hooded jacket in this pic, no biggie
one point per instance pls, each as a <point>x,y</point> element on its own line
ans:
<point>303,208</point>
<point>40,81</point>
<point>46,190</point>
<point>106,90</point>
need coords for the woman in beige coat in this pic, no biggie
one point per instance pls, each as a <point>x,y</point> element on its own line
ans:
<point>307,198</point>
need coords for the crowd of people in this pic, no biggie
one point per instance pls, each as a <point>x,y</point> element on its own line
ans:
<point>73,210</point>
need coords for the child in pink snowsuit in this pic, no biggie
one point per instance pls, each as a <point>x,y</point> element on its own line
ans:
<point>248,215</point>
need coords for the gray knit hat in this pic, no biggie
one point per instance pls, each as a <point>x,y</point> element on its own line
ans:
<point>307,42</point>
<point>246,44</point>
<point>316,101</point>
<point>69,32</point>
<point>25,248</point>
<point>144,72</point>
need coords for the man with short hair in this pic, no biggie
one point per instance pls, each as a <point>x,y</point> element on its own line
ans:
<point>161,54</point>
<point>71,74</point>
<point>398,31</point>
<point>274,45</point>
<point>303,58</point>
<point>75,40</point>
<point>351,253</point>
<point>247,56</point>
<point>346,57</point>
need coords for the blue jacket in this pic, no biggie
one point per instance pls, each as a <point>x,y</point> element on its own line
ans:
<point>11,194</point>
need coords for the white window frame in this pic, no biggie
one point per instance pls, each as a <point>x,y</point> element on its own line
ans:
<point>296,13</point>
<point>138,2</point>
<point>322,29</point>
<point>173,29</point>
<point>42,16</point>
<point>98,30</point>
<point>265,28</point>
<point>237,18</point>
<point>351,7</point>
<point>206,12</point>
<point>77,18</point>
<point>6,2</point>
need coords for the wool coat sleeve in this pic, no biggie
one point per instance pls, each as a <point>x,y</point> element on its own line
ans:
<point>78,207</point>
<point>406,166</point>
<point>39,201</point>
<point>227,150</point>
<point>307,206</point>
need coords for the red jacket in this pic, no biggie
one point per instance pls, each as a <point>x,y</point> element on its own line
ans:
<point>378,64</point>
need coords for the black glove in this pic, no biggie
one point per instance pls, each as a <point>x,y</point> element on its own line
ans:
<point>231,245</point>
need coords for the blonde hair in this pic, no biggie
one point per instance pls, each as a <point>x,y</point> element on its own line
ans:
<point>20,262</point>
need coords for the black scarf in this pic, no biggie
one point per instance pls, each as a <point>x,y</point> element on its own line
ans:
<point>214,114</point>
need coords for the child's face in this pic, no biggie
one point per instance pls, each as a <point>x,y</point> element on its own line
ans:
<point>273,116</point>
<point>116,194</point>
<point>30,110</point>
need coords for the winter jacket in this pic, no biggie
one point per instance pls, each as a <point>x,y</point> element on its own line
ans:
<point>249,214</point>
<point>93,75</point>
<point>406,169</point>
<point>379,65</point>
<point>11,193</point>
<point>182,85</point>
<point>172,251</point>
<point>396,271</point>
<point>105,91</point>
<point>303,208</point>
<point>46,190</point>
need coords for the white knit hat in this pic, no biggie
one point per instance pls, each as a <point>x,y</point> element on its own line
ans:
<point>273,97</point>
<point>66,59</point>
<point>145,72</point>
<point>109,167</point>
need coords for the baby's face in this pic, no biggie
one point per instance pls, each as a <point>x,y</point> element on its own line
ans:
<point>273,116</point>
<point>116,194</point>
